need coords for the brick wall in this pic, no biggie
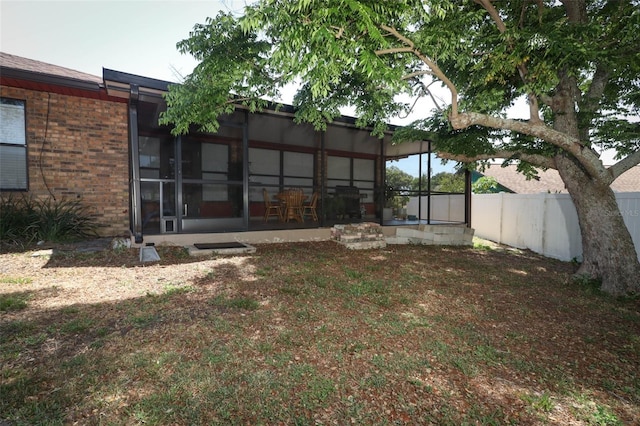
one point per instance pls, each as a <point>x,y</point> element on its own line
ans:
<point>85,154</point>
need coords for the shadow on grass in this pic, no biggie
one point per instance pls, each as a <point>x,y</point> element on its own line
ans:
<point>320,334</point>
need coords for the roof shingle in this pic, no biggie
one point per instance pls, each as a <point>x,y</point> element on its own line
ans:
<point>19,63</point>
<point>550,181</point>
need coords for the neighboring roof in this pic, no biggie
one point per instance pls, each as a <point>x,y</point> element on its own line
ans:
<point>629,181</point>
<point>19,63</point>
<point>550,181</point>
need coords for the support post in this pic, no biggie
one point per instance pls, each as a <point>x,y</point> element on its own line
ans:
<point>429,186</point>
<point>134,146</point>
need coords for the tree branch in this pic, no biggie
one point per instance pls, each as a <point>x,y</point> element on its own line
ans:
<point>436,71</point>
<point>535,159</point>
<point>416,74</point>
<point>394,50</point>
<point>590,100</point>
<point>586,157</point>
<point>623,165</point>
<point>534,109</point>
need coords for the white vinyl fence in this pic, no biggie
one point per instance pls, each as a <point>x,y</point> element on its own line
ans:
<point>445,207</point>
<point>544,223</point>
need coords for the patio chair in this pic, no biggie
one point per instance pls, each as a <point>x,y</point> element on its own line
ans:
<point>309,209</point>
<point>293,207</point>
<point>271,208</point>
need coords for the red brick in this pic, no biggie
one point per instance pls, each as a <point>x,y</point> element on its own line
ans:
<point>85,154</point>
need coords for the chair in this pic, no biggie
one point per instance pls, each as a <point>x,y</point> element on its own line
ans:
<point>293,208</point>
<point>310,207</point>
<point>270,208</point>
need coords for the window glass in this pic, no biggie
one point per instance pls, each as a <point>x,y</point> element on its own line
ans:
<point>264,161</point>
<point>215,158</point>
<point>298,164</point>
<point>363,169</point>
<point>156,157</point>
<point>13,145</point>
<point>297,182</point>
<point>339,167</point>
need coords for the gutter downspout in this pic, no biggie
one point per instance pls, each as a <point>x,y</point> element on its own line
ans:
<point>134,145</point>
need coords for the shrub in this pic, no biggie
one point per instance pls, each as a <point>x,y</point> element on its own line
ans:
<point>27,220</point>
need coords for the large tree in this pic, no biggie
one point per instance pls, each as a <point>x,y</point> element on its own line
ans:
<point>576,63</point>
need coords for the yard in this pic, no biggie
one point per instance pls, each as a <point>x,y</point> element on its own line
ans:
<point>312,333</point>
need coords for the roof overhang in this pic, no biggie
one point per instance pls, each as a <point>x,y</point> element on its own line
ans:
<point>55,80</point>
<point>119,84</point>
<point>395,151</point>
<point>45,82</point>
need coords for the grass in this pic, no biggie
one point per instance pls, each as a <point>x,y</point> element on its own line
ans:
<point>316,334</point>
<point>13,301</point>
<point>15,280</point>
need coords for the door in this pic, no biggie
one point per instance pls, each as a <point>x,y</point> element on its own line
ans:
<point>211,178</point>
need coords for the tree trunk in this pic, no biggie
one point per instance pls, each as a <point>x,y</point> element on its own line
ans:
<point>607,248</point>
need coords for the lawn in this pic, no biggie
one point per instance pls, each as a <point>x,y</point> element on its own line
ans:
<point>312,333</point>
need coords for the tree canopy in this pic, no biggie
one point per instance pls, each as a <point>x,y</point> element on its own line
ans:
<point>576,63</point>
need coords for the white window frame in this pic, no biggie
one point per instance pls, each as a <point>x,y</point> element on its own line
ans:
<point>14,175</point>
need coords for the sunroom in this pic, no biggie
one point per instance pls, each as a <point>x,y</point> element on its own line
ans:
<point>230,181</point>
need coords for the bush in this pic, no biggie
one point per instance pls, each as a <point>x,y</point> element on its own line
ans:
<point>25,220</point>
<point>485,185</point>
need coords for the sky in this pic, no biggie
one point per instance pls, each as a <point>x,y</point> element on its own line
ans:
<point>138,37</point>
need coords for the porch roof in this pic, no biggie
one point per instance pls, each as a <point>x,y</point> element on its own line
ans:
<point>119,83</point>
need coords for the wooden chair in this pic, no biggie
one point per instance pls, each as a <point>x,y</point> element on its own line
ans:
<point>270,208</point>
<point>309,209</point>
<point>293,208</point>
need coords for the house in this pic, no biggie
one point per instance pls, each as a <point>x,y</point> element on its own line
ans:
<point>64,137</point>
<point>97,139</point>
<point>548,181</point>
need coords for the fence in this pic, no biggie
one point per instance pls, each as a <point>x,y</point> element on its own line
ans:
<point>544,223</point>
<point>444,207</point>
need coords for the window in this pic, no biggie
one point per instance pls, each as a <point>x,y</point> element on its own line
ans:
<point>13,145</point>
<point>297,169</point>
<point>358,172</point>
<point>215,166</point>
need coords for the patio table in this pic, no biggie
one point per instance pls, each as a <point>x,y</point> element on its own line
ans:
<point>292,202</point>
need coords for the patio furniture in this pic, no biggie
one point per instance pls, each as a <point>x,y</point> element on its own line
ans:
<point>270,208</point>
<point>292,202</point>
<point>310,207</point>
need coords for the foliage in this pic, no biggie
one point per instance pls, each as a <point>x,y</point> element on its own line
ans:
<point>26,220</point>
<point>447,182</point>
<point>575,63</point>
<point>364,53</point>
<point>398,186</point>
<point>485,185</point>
